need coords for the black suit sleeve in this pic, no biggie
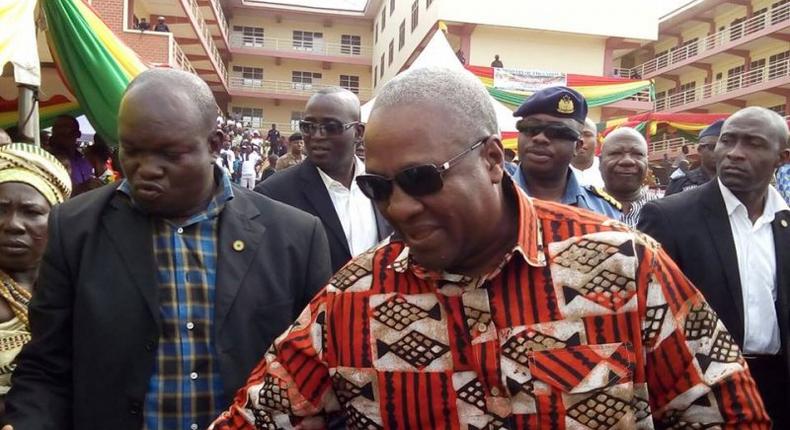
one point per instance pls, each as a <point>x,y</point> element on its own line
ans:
<point>319,264</point>
<point>41,386</point>
<point>675,186</point>
<point>653,222</point>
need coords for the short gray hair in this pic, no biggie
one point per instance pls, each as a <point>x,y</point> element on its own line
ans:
<point>624,132</point>
<point>457,91</point>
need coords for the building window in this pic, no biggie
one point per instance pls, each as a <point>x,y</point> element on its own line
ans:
<point>685,50</point>
<point>350,45</point>
<point>383,18</point>
<point>736,29</point>
<point>307,40</point>
<point>756,73</point>
<point>296,116</point>
<point>779,65</point>
<point>662,60</point>
<point>381,67</point>
<point>252,116</point>
<point>350,83</point>
<point>402,35</point>
<point>428,3</point>
<point>661,101</point>
<point>734,78</point>
<point>391,52</point>
<point>375,76</point>
<point>250,36</point>
<point>376,33</point>
<point>780,109</point>
<point>415,14</point>
<point>248,76</point>
<point>758,21</point>
<point>304,80</point>
<point>392,6</point>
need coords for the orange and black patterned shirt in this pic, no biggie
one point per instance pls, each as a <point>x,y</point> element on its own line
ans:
<point>585,325</point>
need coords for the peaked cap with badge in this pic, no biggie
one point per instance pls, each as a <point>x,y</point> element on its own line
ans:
<point>562,102</point>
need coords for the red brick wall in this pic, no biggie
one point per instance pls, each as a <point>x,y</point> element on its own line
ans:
<point>152,48</point>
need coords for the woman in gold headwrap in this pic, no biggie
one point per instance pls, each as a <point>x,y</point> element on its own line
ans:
<point>31,182</point>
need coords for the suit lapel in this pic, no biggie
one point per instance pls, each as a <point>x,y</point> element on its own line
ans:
<point>718,224</point>
<point>315,192</point>
<point>239,242</point>
<point>781,230</point>
<point>131,233</point>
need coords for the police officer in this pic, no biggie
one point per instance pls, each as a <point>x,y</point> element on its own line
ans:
<point>550,129</point>
<point>707,163</point>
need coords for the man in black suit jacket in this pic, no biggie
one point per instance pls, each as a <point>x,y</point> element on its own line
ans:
<point>323,184</point>
<point>731,238</point>
<point>157,296</point>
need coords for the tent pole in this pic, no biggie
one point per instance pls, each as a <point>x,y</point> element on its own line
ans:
<point>28,113</point>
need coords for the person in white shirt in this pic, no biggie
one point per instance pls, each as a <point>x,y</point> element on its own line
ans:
<point>324,184</point>
<point>584,163</point>
<point>249,163</point>
<point>731,237</point>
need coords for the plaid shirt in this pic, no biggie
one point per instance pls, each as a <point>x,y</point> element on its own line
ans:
<point>185,389</point>
<point>586,324</point>
<point>783,182</point>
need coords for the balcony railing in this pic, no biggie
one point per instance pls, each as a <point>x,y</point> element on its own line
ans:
<point>285,87</point>
<point>239,40</point>
<point>205,33</point>
<point>668,146</point>
<point>772,16</point>
<point>178,59</point>
<point>776,70</point>
<point>222,22</point>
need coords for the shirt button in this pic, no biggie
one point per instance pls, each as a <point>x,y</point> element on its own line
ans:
<point>495,392</point>
<point>190,325</point>
<point>193,375</point>
<point>482,327</point>
<point>193,426</point>
<point>180,230</point>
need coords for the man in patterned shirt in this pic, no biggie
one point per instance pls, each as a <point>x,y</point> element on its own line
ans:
<point>496,310</point>
<point>624,169</point>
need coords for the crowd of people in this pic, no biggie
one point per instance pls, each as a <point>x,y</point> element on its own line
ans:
<point>392,273</point>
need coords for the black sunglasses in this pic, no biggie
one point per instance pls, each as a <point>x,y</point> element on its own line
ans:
<point>330,128</point>
<point>415,181</point>
<point>551,131</point>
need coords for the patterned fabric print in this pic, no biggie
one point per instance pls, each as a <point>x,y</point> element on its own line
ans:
<point>185,389</point>
<point>783,182</point>
<point>596,330</point>
<point>632,217</point>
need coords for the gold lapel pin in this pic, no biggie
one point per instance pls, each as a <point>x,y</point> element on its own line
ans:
<point>238,245</point>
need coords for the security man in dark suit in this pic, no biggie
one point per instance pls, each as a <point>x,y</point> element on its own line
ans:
<point>707,167</point>
<point>158,294</point>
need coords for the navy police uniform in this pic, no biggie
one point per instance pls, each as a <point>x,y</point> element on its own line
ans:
<point>696,177</point>
<point>564,102</point>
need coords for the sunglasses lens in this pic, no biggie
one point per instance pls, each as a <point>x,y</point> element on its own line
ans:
<point>306,127</point>
<point>375,188</point>
<point>561,132</point>
<point>420,180</point>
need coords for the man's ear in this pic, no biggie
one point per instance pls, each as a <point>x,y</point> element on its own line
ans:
<point>578,146</point>
<point>493,154</point>
<point>214,144</point>
<point>359,130</point>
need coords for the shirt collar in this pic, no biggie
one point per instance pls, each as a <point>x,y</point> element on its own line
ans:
<point>573,191</point>
<point>359,169</point>
<point>773,202</point>
<point>529,242</point>
<point>222,194</point>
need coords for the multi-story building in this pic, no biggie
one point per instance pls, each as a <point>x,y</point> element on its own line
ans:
<point>716,56</point>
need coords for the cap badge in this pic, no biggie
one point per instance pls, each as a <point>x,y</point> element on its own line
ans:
<point>565,105</point>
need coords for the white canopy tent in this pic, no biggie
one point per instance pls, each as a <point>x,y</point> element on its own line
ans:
<point>438,52</point>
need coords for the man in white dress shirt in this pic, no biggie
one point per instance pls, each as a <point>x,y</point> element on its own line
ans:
<point>731,237</point>
<point>324,184</point>
<point>585,164</point>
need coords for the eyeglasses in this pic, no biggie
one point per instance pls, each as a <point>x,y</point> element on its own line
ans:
<point>704,146</point>
<point>415,181</point>
<point>329,128</point>
<point>551,131</point>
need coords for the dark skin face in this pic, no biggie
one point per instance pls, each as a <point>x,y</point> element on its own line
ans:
<point>23,227</point>
<point>705,149</point>
<point>749,150</point>
<point>169,168</point>
<point>546,158</point>
<point>297,146</point>
<point>333,154</point>
<point>623,167</point>
<point>586,151</point>
<point>444,232</point>
<point>64,134</point>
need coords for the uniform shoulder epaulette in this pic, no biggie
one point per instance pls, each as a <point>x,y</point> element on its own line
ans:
<point>604,195</point>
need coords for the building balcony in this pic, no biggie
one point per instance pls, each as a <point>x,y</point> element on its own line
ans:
<point>282,90</point>
<point>772,77</point>
<point>199,23</point>
<point>219,18</point>
<point>289,48</point>
<point>670,147</point>
<point>775,21</point>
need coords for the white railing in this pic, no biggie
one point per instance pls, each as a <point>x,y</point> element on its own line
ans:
<point>205,33</point>
<point>178,59</point>
<point>777,70</point>
<point>642,96</point>
<point>222,22</point>
<point>772,16</point>
<point>239,40</point>
<point>669,145</point>
<point>285,87</point>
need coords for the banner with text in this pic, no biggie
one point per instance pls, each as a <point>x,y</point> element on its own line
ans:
<point>527,80</point>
